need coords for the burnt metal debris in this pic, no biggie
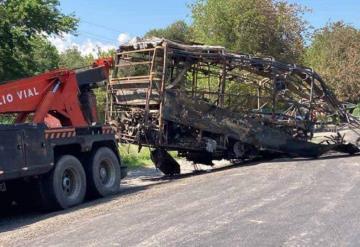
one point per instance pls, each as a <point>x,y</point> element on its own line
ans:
<point>209,104</point>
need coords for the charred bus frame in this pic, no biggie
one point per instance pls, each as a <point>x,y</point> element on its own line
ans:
<point>208,103</point>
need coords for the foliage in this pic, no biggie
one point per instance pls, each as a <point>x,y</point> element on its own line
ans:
<point>101,92</point>
<point>24,25</point>
<point>263,27</point>
<point>73,59</point>
<point>7,118</point>
<point>44,56</point>
<point>40,57</point>
<point>356,112</point>
<point>177,31</point>
<point>335,54</point>
<point>134,159</point>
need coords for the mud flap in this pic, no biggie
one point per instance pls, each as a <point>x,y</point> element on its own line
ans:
<point>164,162</point>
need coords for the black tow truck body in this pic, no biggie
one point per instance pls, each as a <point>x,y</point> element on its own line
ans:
<point>28,150</point>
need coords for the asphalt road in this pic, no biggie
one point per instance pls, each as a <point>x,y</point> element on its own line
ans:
<point>278,203</point>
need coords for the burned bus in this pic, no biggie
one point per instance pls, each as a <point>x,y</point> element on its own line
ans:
<point>208,104</point>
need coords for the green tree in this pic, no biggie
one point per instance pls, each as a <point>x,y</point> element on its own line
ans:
<point>262,27</point>
<point>177,31</point>
<point>43,56</point>
<point>101,91</point>
<point>24,26</point>
<point>335,54</point>
<point>72,58</point>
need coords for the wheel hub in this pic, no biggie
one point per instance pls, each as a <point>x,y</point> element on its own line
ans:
<point>106,173</point>
<point>103,174</point>
<point>68,183</point>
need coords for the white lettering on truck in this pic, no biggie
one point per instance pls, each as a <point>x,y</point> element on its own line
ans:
<point>21,95</point>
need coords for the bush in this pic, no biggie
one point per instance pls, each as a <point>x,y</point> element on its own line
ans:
<point>356,112</point>
<point>134,159</point>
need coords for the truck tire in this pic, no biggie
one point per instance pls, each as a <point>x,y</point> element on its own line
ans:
<point>103,173</point>
<point>5,203</point>
<point>65,185</point>
<point>24,194</point>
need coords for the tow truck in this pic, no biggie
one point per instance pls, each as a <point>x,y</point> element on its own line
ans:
<point>55,151</point>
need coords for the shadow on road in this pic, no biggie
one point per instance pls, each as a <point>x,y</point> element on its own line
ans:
<point>21,216</point>
<point>18,217</point>
<point>325,157</point>
<point>252,162</point>
<point>202,172</point>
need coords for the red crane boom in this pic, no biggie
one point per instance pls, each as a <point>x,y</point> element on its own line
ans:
<point>56,98</point>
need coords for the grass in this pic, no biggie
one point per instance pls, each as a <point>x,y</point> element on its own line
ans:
<point>134,159</point>
<point>356,112</point>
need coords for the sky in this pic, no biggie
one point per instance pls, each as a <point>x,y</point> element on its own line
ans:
<point>109,23</point>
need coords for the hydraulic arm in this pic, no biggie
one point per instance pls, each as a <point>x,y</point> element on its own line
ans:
<point>57,98</point>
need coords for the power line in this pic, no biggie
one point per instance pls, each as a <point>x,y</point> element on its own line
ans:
<point>101,26</point>
<point>96,36</point>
